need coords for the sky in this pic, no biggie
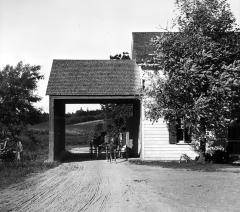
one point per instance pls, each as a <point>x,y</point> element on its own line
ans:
<point>38,31</point>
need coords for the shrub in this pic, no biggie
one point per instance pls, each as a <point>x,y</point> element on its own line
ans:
<point>216,154</point>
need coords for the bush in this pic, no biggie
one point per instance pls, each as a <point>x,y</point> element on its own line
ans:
<point>216,154</point>
<point>220,156</point>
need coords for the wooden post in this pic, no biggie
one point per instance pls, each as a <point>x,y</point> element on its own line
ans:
<point>51,129</point>
<point>56,129</point>
<point>134,127</point>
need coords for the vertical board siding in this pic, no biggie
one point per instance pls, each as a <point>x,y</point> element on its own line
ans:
<point>157,146</point>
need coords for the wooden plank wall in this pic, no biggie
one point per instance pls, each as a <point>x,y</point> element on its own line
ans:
<point>156,143</point>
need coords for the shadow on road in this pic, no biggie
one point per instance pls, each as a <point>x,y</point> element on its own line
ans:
<point>80,154</point>
<point>78,157</point>
<point>81,157</point>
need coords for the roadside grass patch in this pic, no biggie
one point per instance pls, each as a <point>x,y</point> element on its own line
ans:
<point>191,166</point>
<point>35,141</point>
<point>14,172</point>
<point>35,152</point>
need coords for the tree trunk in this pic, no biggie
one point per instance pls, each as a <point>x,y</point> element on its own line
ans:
<point>202,145</point>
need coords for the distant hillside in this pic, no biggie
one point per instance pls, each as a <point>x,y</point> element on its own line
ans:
<point>89,123</point>
<point>84,116</point>
<point>82,128</point>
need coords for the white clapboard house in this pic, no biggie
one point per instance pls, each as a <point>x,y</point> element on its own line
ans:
<point>159,141</point>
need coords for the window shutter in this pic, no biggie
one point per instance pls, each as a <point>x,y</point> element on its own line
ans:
<point>188,136</point>
<point>172,132</point>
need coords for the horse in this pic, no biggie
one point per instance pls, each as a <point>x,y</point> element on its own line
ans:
<point>97,144</point>
<point>111,146</point>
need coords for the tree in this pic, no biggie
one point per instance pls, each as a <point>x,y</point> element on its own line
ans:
<point>17,86</point>
<point>199,80</point>
<point>116,115</point>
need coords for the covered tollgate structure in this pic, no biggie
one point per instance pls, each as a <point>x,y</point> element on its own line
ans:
<point>91,81</point>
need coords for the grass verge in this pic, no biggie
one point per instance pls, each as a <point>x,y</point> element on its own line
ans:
<point>191,166</point>
<point>35,142</point>
<point>14,172</point>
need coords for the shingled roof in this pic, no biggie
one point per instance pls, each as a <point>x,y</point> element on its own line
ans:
<point>141,45</point>
<point>94,77</point>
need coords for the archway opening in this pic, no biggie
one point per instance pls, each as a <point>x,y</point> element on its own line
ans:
<point>73,131</point>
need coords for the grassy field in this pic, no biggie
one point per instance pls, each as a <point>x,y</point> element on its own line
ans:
<point>75,129</point>
<point>76,135</point>
<point>35,145</point>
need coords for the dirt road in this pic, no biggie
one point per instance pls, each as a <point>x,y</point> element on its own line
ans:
<point>103,186</point>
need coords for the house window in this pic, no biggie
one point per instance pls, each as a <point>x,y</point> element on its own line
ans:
<point>178,133</point>
<point>183,133</point>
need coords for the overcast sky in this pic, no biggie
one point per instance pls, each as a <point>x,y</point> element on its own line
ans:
<point>38,31</point>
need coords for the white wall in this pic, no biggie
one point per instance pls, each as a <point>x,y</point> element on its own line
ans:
<point>156,146</point>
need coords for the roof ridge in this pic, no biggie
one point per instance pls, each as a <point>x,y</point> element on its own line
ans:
<point>88,60</point>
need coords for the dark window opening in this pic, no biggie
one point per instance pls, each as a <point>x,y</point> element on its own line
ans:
<point>179,133</point>
<point>183,132</point>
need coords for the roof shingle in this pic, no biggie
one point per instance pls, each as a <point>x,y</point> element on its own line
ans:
<point>94,77</point>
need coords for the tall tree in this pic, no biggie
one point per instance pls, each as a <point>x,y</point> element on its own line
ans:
<point>197,70</point>
<point>116,115</point>
<point>17,86</point>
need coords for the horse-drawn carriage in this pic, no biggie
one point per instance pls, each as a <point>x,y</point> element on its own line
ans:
<point>111,145</point>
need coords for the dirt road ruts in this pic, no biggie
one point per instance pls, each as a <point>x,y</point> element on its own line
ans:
<point>103,186</point>
<point>82,186</point>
